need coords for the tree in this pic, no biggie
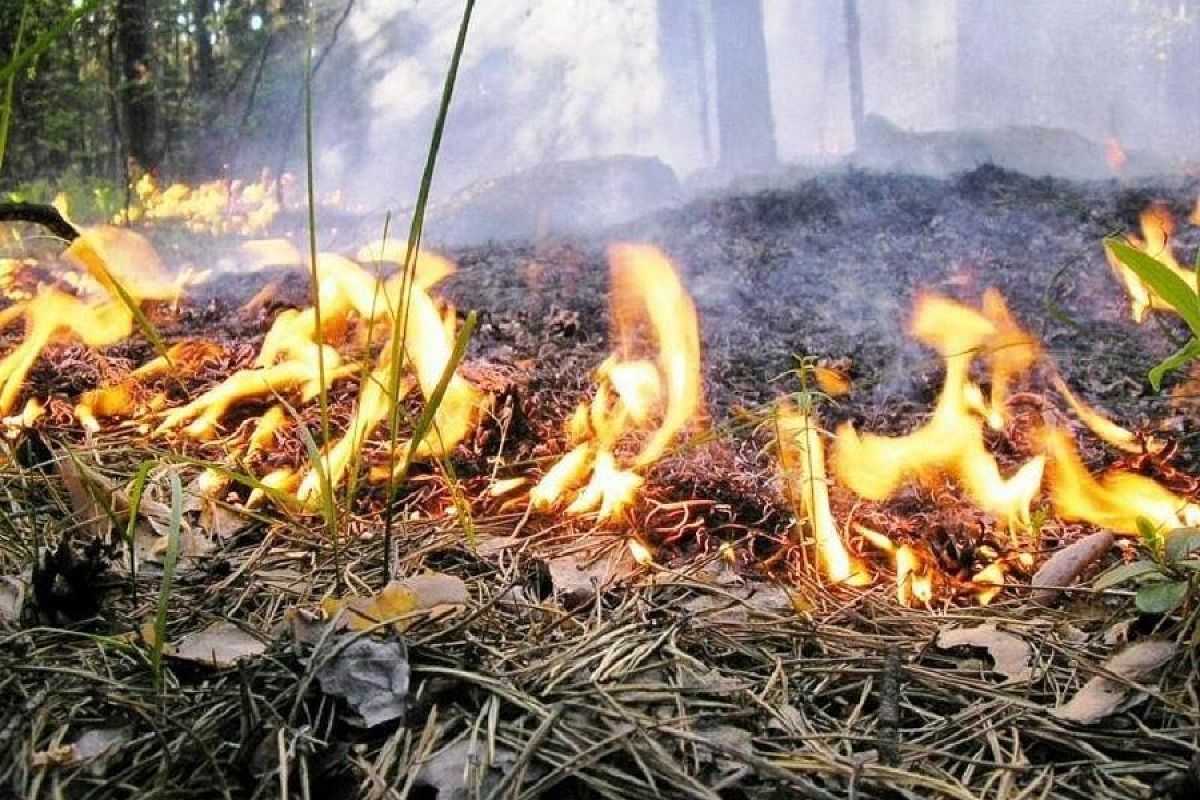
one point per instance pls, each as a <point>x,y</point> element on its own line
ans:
<point>139,106</point>
<point>745,127</point>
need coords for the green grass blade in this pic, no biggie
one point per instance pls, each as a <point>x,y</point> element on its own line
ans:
<point>10,84</point>
<point>1162,281</point>
<point>137,487</point>
<point>410,261</point>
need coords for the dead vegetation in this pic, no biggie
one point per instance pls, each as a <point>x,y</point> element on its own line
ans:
<point>536,655</point>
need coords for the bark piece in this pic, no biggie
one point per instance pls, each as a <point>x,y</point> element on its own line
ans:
<point>1064,567</point>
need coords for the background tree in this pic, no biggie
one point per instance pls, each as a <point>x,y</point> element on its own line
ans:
<point>745,127</point>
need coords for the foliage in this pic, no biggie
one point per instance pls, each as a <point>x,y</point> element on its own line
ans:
<point>1173,290</point>
<point>218,72</point>
<point>1166,576</point>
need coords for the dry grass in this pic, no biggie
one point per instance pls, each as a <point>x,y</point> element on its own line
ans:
<point>681,682</point>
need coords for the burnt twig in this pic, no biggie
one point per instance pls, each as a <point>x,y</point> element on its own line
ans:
<point>47,216</point>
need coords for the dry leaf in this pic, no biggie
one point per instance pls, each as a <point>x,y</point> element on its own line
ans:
<point>428,591</point>
<point>437,589</point>
<point>739,603</point>
<point>1012,654</point>
<point>463,770</point>
<point>12,599</point>
<point>371,675</point>
<point>220,645</point>
<point>577,582</point>
<point>1065,566</point>
<point>95,745</point>
<point>1102,695</point>
<point>90,495</point>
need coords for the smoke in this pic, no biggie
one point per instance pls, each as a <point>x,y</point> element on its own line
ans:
<point>1045,88</point>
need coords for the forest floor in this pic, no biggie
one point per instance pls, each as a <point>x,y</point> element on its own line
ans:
<point>555,666</point>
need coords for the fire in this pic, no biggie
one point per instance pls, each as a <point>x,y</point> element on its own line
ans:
<point>802,458</point>
<point>300,355</point>
<point>1114,155</point>
<point>1117,500</point>
<point>1158,226</point>
<point>652,396</point>
<point>952,443</point>
<point>223,206</point>
<point>125,271</point>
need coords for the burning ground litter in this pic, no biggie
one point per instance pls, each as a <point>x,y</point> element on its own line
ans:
<point>836,689</point>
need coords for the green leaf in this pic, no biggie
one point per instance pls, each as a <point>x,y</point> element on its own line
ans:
<point>1181,543</point>
<point>1150,533</point>
<point>1126,572</point>
<point>1161,279</point>
<point>1180,358</point>
<point>1189,563</point>
<point>1160,598</point>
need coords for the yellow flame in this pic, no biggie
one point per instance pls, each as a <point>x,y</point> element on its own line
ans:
<point>642,554</point>
<point>1158,226</point>
<point>653,394</point>
<point>802,457</point>
<point>1104,428</point>
<point>952,442</point>
<point>1117,500</point>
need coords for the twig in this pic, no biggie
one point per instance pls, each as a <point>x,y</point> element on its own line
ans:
<point>47,216</point>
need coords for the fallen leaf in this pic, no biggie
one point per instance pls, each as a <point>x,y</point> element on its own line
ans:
<point>220,645</point>
<point>726,742</point>
<point>12,599</point>
<point>429,591</point>
<point>370,674</point>
<point>437,589</point>
<point>740,603</point>
<point>462,771</point>
<point>1012,654</point>
<point>90,495</point>
<point>577,582</point>
<point>1064,567</point>
<point>1103,695</point>
<point>94,746</point>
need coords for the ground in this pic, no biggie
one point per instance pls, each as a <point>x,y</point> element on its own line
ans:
<point>692,677</point>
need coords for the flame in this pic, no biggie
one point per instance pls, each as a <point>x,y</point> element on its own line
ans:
<point>1104,428</point>
<point>952,442</point>
<point>653,395</point>
<point>802,458</point>
<point>914,575</point>
<point>1158,226</point>
<point>1117,500</point>
<point>1114,155</point>
<point>122,265</point>
<point>216,207</point>
<point>641,553</point>
<point>300,350</point>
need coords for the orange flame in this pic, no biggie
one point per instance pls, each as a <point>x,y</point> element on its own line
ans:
<point>1114,155</point>
<point>654,395</point>
<point>123,265</point>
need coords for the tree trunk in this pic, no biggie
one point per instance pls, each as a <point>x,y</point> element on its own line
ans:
<point>681,56</point>
<point>854,68</point>
<point>745,127</point>
<point>206,69</point>
<point>139,106</point>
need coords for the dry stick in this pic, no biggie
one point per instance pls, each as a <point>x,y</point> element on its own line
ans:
<point>889,707</point>
<point>47,216</point>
